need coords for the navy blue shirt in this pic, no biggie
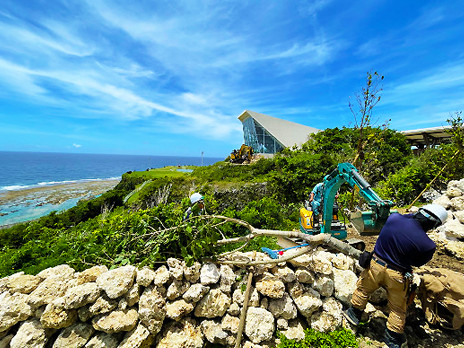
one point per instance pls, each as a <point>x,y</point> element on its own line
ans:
<point>404,243</point>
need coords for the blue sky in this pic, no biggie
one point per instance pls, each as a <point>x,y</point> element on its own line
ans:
<point>171,77</point>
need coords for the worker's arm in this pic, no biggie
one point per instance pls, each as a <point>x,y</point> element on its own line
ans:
<point>311,197</point>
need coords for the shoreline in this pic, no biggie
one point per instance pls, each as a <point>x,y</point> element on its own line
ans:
<point>28,204</point>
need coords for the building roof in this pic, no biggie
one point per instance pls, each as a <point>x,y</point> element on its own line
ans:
<point>285,132</point>
<point>427,136</point>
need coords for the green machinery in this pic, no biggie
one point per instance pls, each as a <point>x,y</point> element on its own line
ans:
<point>368,222</point>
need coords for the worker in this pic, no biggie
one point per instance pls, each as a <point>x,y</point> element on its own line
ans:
<point>197,205</point>
<point>315,198</point>
<point>402,243</point>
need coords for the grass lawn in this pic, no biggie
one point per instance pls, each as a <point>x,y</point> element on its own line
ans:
<point>149,175</point>
<point>172,171</point>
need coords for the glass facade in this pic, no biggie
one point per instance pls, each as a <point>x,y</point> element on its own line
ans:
<point>258,138</point>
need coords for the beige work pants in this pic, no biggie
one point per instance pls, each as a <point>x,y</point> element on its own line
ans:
<point>397,288</point>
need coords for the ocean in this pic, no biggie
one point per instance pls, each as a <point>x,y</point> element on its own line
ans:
<point>37,171</point>
<point>20,170</point>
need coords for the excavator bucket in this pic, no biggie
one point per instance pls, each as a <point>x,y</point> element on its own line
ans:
<point>365,223</point>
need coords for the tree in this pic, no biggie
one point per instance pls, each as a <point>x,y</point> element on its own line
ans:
<point>457,130</point>
<point>366,100</point>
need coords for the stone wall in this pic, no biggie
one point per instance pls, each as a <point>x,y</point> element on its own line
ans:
<point>175,305</point>
<point>450,236</point>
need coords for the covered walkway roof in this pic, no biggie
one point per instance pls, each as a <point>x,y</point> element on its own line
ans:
<point>428,137</point>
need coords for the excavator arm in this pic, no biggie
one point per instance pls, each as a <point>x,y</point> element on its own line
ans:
<point>365,222</point>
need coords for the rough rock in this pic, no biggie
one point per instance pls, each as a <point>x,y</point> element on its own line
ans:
<point>454,228</point>
<point>227,278</point>
<point>152,309</point>
<point>176,268</point>
<point>260,324</point>
<point>444,201</point>
<point>181,334</point>
<point>304,275</point>
<point>282,324</point>
<point>459,216</point>
<point>177,289</point>
<point>55,316</point>
<point>51,288</point>
<point>178,309</point>
<point>62,272</point>
<point>295,330</point>
<point>140,337</point>
<point>285,274</point>
<point>456,249</point>
<point>117,281</point>
<point>452,192</point>
<point>23,283</point>
<point>230,323</point>
<point>283,307</point>
<point>79,296</point>
<point>116,321</point>
<point>345,284</point>
<point>195,292</point>
<point>214,304</point>
<point>13,309</point>
<point>343,262</point>
<point>324,285</point>
<point>457,203</point>
<point>162,276</point>
<point>103,304</point>
<point>192,273</point>
<point>133,295</point>
<point>234,309</point>
<point>30,334</point>
<point>320,262</point>
<point>324,322</point>
<point>90,274</point>
<point>145,276</point>
<point>239,297</point>
<point>76,335</point>
<point>209,274</point>
<point>214,333</point>
<point>270,286</point>
<point>102,340</point>
<point>306,300</point>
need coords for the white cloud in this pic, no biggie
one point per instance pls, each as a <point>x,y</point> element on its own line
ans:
<point>77,145</point>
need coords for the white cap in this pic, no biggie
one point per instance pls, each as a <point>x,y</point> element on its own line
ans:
<point>196,197</point>
<point>437,211</point>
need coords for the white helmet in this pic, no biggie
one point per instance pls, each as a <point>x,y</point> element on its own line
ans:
<point>196,197</point>
<point>437,211</point>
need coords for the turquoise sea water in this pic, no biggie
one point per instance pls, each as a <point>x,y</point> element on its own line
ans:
<point>23,170</point>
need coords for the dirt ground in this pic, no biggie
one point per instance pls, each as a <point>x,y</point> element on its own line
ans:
<point>440,259</point>
<point>418,332</point>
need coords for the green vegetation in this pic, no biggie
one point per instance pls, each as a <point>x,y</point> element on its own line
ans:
<point>336,339</point>
<point>146,227</point>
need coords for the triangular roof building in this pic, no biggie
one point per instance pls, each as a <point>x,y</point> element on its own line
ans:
<point>267,134</point>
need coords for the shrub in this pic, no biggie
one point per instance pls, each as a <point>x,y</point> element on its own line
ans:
<point>337,339</point>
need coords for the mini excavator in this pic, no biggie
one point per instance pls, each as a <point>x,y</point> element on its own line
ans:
<point>366,223</point>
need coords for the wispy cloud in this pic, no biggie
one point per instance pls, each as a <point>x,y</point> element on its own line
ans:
<point>188,69</point>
